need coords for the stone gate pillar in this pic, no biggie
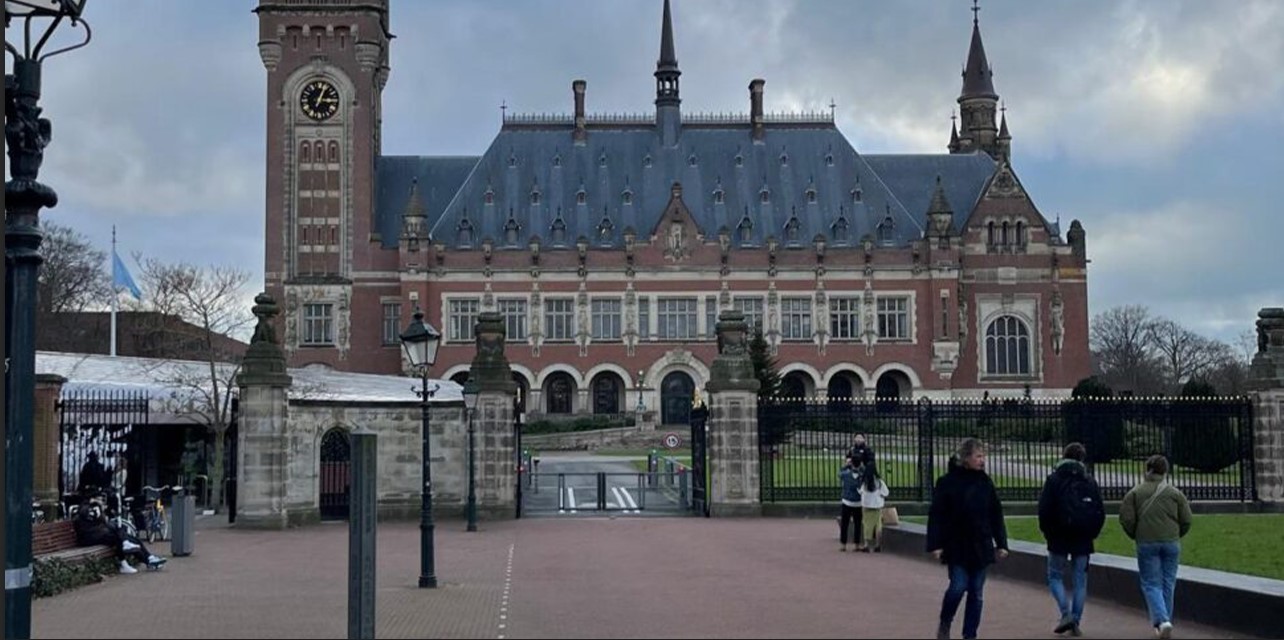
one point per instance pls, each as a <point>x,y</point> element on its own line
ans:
<point>733,423</point>
<point>47,442</point>
<point>263,447</point>
<point>1267,379</point>
<point>494,422</point>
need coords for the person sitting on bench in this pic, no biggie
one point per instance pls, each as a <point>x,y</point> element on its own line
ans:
<point>92,528</point>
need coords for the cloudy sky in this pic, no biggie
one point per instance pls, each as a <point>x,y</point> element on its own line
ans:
<point>1159,124</point>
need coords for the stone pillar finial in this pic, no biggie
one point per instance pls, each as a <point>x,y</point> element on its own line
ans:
<point>264,362</point>
<point>732,369</point>
<point>490,366</point>
<point>1267,371</point>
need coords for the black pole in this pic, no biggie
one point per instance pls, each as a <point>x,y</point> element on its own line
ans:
<point>26,134</point>
<point>472,472</point>
<point>427,561</point>
<point>361,535</point>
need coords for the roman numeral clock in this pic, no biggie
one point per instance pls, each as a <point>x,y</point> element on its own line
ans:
<point>319,100</point>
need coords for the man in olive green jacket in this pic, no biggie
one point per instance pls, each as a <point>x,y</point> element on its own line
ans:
<point>1157,515</point>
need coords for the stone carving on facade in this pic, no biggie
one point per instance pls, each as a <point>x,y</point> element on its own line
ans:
<point>1004,184</point>
<point>773,318</point>
<point>582,317</point>
<point>1058,322</point>
<point>536,332</point>
<point>676,247</point>
<point>772,245</point>
<point>630,319</point>
<point>820,318</point>
<point>488,297</point>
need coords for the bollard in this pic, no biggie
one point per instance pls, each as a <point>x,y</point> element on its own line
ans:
<point>361,535</point>
<point>682,489</point>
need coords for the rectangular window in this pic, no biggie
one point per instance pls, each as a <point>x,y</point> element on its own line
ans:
<point>844,318</point>
<point>606,319</point>
<point>752,308</point>
<point>462,320</point>
<point>677,318</point>
<point>644,317</point>
<point>318,324</point>
<point>391,323</point>
<point>795,318</point>
<point>710,317</point>
<point>893,318</point>
<point>514,312</point>
<point>559,319</point>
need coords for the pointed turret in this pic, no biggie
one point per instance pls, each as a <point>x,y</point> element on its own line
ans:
<point>1003,143</point>
<point>978,102</point>
<point>414,219</point>
<point>668,116</point>
<point>954,134</point>
<point>940,214</point>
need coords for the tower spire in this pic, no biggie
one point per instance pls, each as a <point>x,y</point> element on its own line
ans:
<point>668,117</point>
<point>978,81</point>
<point>978,102</point>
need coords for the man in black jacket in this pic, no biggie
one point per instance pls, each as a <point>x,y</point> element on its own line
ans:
<point>1071,516</point>
<point>965,531</point>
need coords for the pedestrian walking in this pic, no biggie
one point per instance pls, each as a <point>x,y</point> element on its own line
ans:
<point>1157,515</point>
<point>873,495</point>
<point>965,531</point>
<point>849,476</point>
<point>1071,515</point>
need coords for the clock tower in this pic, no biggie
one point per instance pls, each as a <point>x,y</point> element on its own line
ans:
<point>327,64</point>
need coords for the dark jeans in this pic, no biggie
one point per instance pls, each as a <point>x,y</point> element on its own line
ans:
<point>972,582</point>
<point>117,542</point>
<point>844,524</point>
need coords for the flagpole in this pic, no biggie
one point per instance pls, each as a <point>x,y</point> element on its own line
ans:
<point>115,294</point>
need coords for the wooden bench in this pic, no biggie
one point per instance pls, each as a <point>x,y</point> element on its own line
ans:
<point>57,541</point>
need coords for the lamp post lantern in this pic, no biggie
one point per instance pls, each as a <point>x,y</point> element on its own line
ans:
<point>420,341</point>
<point>26,135</point>
<point>471,392</point>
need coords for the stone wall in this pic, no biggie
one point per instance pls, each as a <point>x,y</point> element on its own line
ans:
<point>1267,377</point>
<point>397,426</point>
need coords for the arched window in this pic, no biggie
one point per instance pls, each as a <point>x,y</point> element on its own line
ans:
<point>1007,347</point>
<point>581,196</point>
<point>718,196</point>
<point>535,195</point>
<point>811,196</point>
<point>559,391</point>
<point>990,238</point>
<point>318,151</point>
<point>1004,239</point>
<point>334,152</point>
<point>305,153</point>
<point>1020,233</point>
<point>765,195</point>
<point>627,197</point>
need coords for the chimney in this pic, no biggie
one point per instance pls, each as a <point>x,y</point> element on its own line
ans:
<point>755,109</point>
<point>580,135</point>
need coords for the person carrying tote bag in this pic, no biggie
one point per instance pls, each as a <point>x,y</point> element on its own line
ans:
<point>1157,515</point>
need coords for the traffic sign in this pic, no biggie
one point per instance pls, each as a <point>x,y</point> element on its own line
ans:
<point>671,441</point>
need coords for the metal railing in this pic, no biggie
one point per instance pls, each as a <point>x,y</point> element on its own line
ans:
<point>1208,441</point>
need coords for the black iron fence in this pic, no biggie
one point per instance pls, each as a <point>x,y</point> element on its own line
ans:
<point>106,423</point>
<point>1208,441</point>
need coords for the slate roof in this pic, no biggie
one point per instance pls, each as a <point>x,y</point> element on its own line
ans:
<point>439,179</point>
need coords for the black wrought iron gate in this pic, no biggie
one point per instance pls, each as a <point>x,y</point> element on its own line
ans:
<point>699,460</point>
<point>336,472</point>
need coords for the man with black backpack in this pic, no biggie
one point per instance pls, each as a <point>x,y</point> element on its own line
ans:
<point>1071,516</point>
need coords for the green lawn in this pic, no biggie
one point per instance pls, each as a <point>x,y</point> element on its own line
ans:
<point>800,471</point>
<point>643,453</point>
<point>1239,543</point>
<point>640,465</point>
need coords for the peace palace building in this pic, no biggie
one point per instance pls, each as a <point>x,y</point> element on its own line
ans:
<point>610,244</point>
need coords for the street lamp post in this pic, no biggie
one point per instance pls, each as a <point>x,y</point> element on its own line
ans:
<point>471,390</point>
<point>26,135</point>
<point>420,341</point>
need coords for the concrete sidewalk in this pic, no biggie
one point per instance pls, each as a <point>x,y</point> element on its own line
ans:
<point>582,578</point>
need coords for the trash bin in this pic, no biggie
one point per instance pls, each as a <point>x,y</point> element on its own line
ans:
<point>182,525</point>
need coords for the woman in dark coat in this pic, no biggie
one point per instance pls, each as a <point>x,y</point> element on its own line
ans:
<point>965,531</point>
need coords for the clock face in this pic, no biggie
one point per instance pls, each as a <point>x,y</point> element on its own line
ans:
<point>319,100</point>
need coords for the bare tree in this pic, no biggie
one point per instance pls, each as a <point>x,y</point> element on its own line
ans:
<point>1186,354</point>
<point>1120,340</point>
<point>212,299</point>
<point>73,276</point>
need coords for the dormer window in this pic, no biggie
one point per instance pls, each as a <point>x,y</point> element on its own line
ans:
<point>791,230</point>
<point>465,232</point>
<point>829,160</point>
<point>740,160</point>
<point>604,229</point>
<point>559,230</point>
<point>839,229</point>
<point>887,231</point>
<point>646,161</point>
<point>764,195</point>
<point>627,196</point>
<point>784,159</point>
<point>857,195</point>
<point>535,195</point>
<point>489,197</point>
<point>512,161</point>
<point>691,160</point>
<point>581,196</point>
<point>717,196</point>
<point>746,230</point>
<point>601,160</point>
<point>811,196</point>
<point>557,160</point>
<point>511,228</point>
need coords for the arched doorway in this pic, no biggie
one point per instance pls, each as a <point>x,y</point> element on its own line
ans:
<point>461,377</point>
<point>677,390</point>
<point>336,456</point>
<point>844,387</point>
<point>559,394</point>
<point>608,393</point>
<point>892,387</point>
<point>797,385</point>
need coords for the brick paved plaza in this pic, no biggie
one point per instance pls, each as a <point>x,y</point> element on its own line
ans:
<point>571,577</point>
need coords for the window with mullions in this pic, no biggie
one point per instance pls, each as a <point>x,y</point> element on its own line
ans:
<point>677,318</point>
<point>514,312</point>
<point>752,308</point>
<point>1007,347</point>
<point>893,318</point>
<point>795,318</point>
<point>606,319</point>
<point>392,323</point>
<point>462,319</point>
<point>559,319</point>
<point>844,318</point>
<point>318,324</point>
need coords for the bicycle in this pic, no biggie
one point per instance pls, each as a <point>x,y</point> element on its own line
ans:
<point>155,518</point>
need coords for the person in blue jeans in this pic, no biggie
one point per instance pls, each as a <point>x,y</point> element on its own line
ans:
<point>1071,516</point>
<point>1157,515</point>
<point>965,531</point>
